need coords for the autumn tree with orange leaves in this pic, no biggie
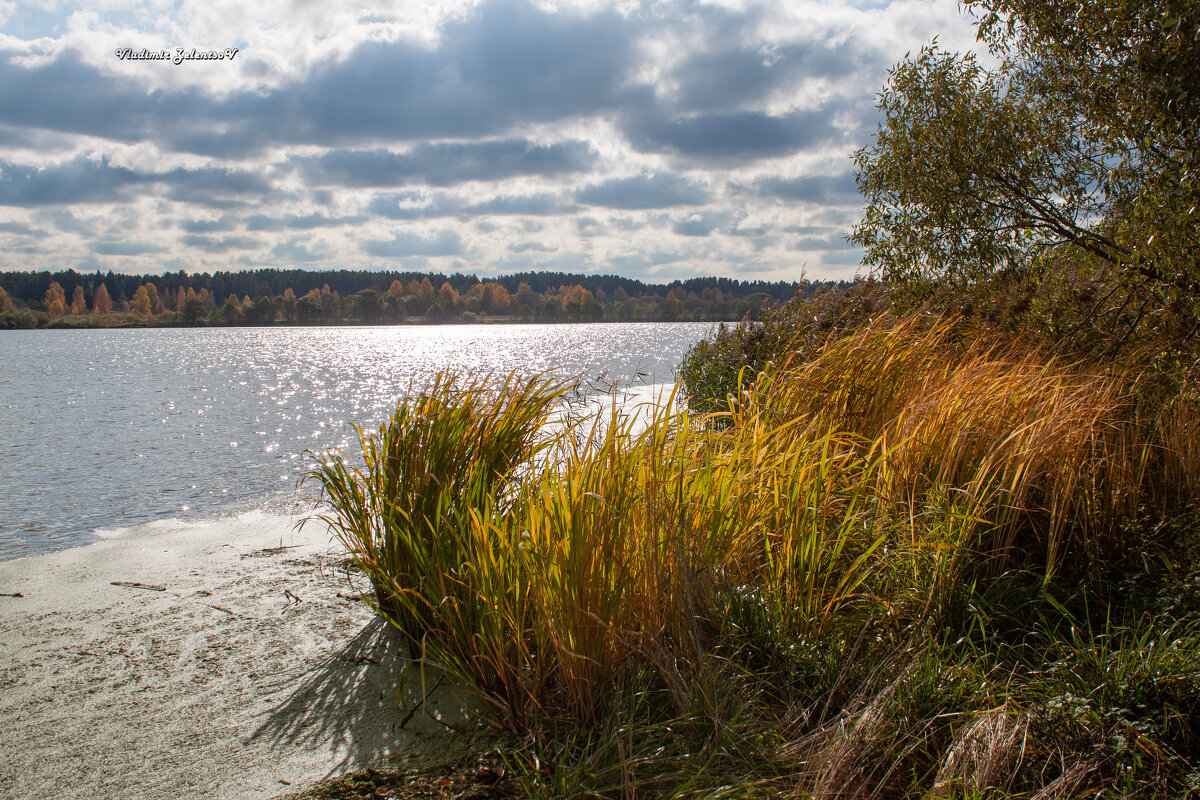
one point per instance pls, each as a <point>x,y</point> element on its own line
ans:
<point>55,301</point>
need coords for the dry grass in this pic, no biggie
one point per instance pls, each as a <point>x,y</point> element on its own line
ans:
<point>851,497</point>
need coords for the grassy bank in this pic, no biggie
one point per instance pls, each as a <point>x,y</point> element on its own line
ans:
<point>908,564</point>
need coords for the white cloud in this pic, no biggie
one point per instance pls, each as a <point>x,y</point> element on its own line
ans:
<point>661,139</point>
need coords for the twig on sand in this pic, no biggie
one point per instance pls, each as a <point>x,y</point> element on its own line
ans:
<point>271,551</point>
<point>136,585</point>
<point>11,594</point>
<point>227,611</point>
<point>421,705</point>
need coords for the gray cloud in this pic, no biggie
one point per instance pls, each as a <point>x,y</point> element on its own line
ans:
<point>846,258</point>
<point>508,64</point>
<point>588,226</point>
<point>65,221</point>
<point>261,222</point>
<point>18,229</point>
<point>824,189</point>
<point>832,241</point>
<point>297,251</point>
<point>125,248</point>
<point>219,225</point>
<point>84,180</point>
<point>533,205</point>
<point>734,75</point>
<point>658,190</point>
<point>446,164</point>
<point>212,244</point>
<point>646,262</point>
<point>507,89</point>
<point>79,180</point>
<point>211,186</point>
<point>701,224</point>
<point>443,243</point>
<point>414,205</point>
<point>531,247</point>
<point>731,136</point>
<point>65,94</point>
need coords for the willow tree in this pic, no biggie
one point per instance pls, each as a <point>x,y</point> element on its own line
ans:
<point>1059,187</point>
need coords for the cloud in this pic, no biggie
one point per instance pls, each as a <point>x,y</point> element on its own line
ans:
<point>66,94</point>
<point>531,247</point>
<point>532,205</point>
<point>125,248</point>
<point>732,136</point>
<point>18,229</point>
<point>65,221</point>
<point>296,250</point>
<point>831,241</point>
<point>607,128</point>
<point>87,180</point>
<point>211,186</point>
<point>845,258</point>
<point>221,224</point>
<point>701,224</point>
<point>446,164</point>
<point>731,76</point>
<point>645,263</point>
<point>212,244</point>
<point>80,180</point>
<point>443,243</point>
<point>262,222</point>
<point>414,205</point>
<point>645,191</point>
<point>509,63</point>
<point>822,189</point>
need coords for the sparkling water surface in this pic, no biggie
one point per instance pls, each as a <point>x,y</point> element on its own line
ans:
<point>103,429</point>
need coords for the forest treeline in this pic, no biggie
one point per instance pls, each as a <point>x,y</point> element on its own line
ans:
<point>269,296</point>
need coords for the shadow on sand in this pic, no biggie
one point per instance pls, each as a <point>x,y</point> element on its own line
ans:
<point>356,705</point>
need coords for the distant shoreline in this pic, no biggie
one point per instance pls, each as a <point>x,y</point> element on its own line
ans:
<point>344,324</point>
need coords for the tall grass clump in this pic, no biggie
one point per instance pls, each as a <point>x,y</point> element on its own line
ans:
<point>854,580</point>
<point>448,454</point>
<point>1048,454</point>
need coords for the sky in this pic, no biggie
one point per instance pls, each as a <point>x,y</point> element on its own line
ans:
<point>654,140</point>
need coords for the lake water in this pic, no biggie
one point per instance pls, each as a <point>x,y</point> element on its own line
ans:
<point>101,430</point>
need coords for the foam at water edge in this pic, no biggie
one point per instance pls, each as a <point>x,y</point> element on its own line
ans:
<point>254,521</point>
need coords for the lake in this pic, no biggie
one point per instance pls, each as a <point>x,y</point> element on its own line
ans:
<point>101,430</point>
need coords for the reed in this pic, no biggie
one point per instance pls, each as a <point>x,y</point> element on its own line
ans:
<point>793,568</point>
<point>448,454</point>
<point>1038,449</point>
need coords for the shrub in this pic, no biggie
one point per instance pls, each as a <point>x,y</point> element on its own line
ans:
<point>857,584</point>
<point>719,367</point>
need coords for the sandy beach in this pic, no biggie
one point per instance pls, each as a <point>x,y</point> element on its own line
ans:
<point>226,660</point>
